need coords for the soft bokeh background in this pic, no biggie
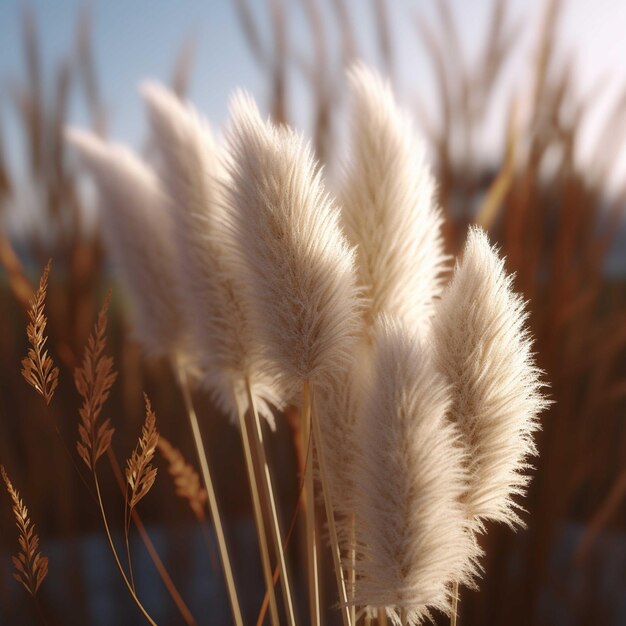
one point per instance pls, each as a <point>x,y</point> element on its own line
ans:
<point>523,108</point>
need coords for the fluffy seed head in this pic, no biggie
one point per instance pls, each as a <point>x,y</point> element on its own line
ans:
<point>413,536</point>
<point>299,268</point>
<point>135,227</point>
<point>485,352</point>
<point>210,291</point>
<point>389,210</point>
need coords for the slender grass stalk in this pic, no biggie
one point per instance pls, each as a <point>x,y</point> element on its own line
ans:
<point>127,542</point>
<point>332,529</point>
<point>382,616</point>
<point>258,518</point>
<point>368,618</point>
<point>352,570</point>
<point>208,483</point>
<point>268,493</point>
<point>114,551</point>
<point>309,505</point>
<point>455,603</point>
<point>154,555</point>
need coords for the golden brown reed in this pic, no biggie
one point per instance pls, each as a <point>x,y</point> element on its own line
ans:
<point>140,473</point>
<point>93,382</point>
<point>37,367</point>
<point>186,479</point>
<point>31,567</point>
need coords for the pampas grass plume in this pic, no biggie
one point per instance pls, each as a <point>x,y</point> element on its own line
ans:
<point>388,205</point>
<point>135,227</point>
<point>484,350</point>
<point>209,290</point>
<point>298,265</point>
<point>412,534</point>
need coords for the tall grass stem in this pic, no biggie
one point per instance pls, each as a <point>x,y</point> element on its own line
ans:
<point>208,483</point>
<point>268,493</point>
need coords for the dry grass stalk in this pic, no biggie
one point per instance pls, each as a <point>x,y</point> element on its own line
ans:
<point>37,367</point>
<point>186,479</point>
<point>31,567</point>
<point>93,381</point>
<point>140,473</point>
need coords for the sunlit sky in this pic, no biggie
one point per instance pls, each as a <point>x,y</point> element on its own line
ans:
<point>137,39</point>
<point>141,38</point>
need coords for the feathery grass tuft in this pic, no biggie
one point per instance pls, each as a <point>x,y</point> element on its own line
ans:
<point>31,567</point>
<point>136,228</point>
<point>140,474</point>
<point>413,537</point>
<point>93,382</point>
<point>186,479</point>
<point>484,350</point>
<point>37,367</point>
<point>298,266</point>
<point>388,206</point>
<point>210,291</point>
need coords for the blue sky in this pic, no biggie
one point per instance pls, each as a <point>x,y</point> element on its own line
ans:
<point>137,39</point>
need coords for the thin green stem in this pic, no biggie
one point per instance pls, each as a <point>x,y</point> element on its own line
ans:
<point>268,494</point>
<point>208,483</point>
<point>114,551</point>
<point>330,516</point>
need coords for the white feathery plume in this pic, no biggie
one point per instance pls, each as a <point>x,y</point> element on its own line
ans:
<point>135,226</point>
<point>209,290</point>
<point>484,350</point>
<point>339,411</point>
<point>388,206</point>
<point>299,267</point>
<point>413,537</point>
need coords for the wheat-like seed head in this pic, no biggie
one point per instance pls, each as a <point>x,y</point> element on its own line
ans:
<point>93,380</point>
<point>140,474</point>
<point>388,206</point>
<point>186,479</point>
<point>298,268</point>
<point>484,350</point>
<point>37,367</point>
<point>413,536</point>
<point>136,230</point>
<point>210,291</point>
<point>31,567</point>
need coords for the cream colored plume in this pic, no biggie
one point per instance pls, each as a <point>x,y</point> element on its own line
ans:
<point>485,353</point>
<point>210,292</point>
<point>388,205</point>
<point>298,266</point>
<point>136,230</point>
<point>413,537</point>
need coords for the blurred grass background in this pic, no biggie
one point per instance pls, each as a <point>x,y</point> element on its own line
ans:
<point>558,219</point>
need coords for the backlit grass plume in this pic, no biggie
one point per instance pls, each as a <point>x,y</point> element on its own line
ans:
<point>94,379</point>
<point>485,353</point>
<point>413,537</point>
<point>186,479</point>
<point>136,229</point>
<point>299,268</point>
<point>388,205</point>
<point>207,286</point>
<point>140,473</point>
<point>38,369</point>
<point>31,567</point>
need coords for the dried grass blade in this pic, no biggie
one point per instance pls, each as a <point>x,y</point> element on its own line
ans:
<point>31,567</point>
<point>38,369</point>
<point>186,479</point>
<point>93,381</point>
<point>140,473</point>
